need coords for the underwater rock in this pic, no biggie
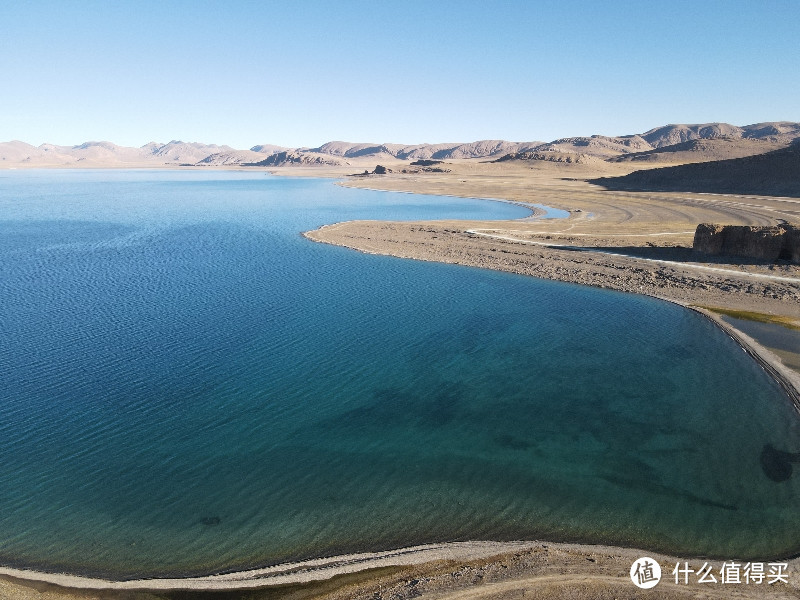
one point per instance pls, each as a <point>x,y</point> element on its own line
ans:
<point>777,464</point>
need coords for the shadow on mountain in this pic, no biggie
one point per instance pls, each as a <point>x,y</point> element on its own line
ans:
<point>774,173</point>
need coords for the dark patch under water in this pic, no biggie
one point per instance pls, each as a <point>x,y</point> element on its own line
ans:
<point>777,464</point>
<point>509,441</point>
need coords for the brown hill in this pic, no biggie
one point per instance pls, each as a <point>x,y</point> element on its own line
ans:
<point>479,149</point>
<point>775,173</point>
<point>268,149</point>
<point>669,135</point>
<point>20,153</point>
<point>597,145</point>
<point>304,159</point>
<point>88,153</point>
<point>107,154</point>
<point>349,150</point>
<point>702,150</point>
<point>231,157</point>
<point>742,141</point>
<point>180,152</point>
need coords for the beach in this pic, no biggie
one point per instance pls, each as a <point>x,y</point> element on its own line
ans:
<point>463,571</point>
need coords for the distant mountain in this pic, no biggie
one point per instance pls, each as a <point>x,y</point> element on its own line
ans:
<point>183,152</point>
<point>230,157</point>
<point>348,150</point>
<point>52,155</point>
<point>480,149</point>
<point>288,159</point>
<point>675,143</point>
<point>668,135</point>
<point>268,149</point>
<point>600,146</point>
<point>670,143</point>
<point>16,152</point>
<point>775,173</point>
<point>106,154</point>
<point>702,150</point>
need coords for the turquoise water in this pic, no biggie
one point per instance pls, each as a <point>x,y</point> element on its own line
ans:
<point>189,386</point>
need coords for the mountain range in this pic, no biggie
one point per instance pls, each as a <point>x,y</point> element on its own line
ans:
<point>666,144</point>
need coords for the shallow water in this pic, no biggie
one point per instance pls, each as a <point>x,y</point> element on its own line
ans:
<point>771,335</point>
<point>187,385</point>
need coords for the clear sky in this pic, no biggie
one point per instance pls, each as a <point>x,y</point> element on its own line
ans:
<point>299,73</point>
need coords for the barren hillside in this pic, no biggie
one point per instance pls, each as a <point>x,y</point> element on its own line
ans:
<point>775,173</point>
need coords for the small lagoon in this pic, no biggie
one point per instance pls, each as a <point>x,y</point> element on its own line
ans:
<point>188,386</point>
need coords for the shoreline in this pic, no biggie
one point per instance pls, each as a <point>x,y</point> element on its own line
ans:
<point>404,565</point>
<point>787,379</point>
<point>462,570</point>
<point>306,571</point>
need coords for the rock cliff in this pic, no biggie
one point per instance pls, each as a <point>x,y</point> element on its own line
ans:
<point>780,242</point>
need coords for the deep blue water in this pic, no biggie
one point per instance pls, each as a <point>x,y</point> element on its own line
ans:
<point>187,385</point>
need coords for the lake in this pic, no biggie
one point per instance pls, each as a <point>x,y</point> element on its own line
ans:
<point>187,386</point>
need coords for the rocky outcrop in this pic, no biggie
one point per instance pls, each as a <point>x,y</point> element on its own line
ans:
<point>780,242</point>
<point>792,244</point>
<point>378,170</point>
<point>425,163</point>
<point>548,156</point>
<point>283,159</point>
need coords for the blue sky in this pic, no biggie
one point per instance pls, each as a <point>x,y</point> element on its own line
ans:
<point>303,73</point>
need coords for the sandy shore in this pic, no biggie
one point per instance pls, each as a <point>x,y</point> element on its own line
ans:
<point>662,271</point>
<point>464,570</point>
<point>629,242</point>
<point>671,276</point>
